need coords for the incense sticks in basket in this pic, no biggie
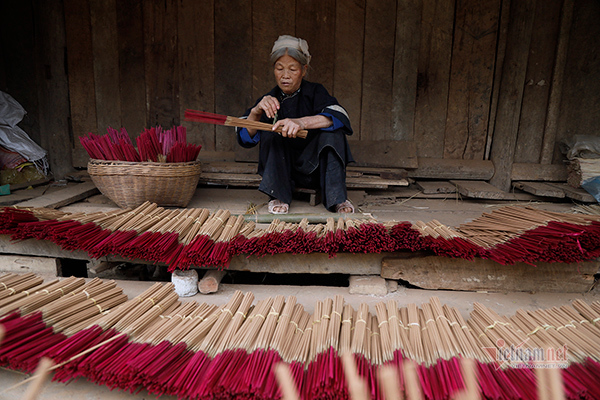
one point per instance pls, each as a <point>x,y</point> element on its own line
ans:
<point>154,144</point>
<point>198,350</point>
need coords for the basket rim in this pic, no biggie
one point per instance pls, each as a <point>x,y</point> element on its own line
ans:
<point>145,163</point>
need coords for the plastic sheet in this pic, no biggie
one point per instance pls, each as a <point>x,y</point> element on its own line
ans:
<point>16,139</point>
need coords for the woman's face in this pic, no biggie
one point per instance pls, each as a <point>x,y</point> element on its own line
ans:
<point>289,73</point>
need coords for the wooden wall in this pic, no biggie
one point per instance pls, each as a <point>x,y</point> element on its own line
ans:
<point>498,80</point>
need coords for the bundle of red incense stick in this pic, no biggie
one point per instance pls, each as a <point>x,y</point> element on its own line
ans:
<point>206,351</point>
<point>184,238</point>
<point>154,144</point>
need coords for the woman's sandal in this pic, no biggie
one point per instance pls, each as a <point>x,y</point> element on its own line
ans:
<point>345,205</point>
<point>278,207</point>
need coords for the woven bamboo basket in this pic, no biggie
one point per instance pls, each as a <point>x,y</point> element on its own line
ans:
<point>129,184</point>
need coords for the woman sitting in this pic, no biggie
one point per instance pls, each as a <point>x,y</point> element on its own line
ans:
<point>286,161</point>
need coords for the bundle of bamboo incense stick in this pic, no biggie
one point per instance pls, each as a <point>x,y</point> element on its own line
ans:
<point>183,238</point>
<point>201,351</point>
<point>218,119</point>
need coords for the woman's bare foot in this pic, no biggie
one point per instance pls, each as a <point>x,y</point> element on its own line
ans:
<point>278,207</point>
<point>345,208</point>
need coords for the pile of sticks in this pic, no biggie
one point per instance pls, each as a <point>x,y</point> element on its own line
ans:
<point>200,351</point>
<point>183,238</point>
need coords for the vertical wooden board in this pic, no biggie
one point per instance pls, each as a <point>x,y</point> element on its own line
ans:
<point>378,64</point>
<point>233,65</point>
<point>539,76</point>
<point>197,67</point>
<point>347,75</point>
<point>18,43</point>
<point>270,19</point>
<point>406,64</point>
<point>471,78</point>
<point>550,150</point>
<point>511,91</point>
<point>132,85</point>
<point>433,77</point>
<point>578,112</point>
<point>161,62</point>
<point>52,86</point>
<point>498,66</point>
<point>315,22</point>
<point>105,48</point>
<point>80,64</point>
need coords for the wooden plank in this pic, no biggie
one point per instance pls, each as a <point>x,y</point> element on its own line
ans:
<point>385,173</point>
<point>406,63</point>
<point>540,189</point>
<point>539,76</point>
<point>315,21</point>
<point>230,167</point>
<point>385,153</point>
<point>105,50</point>
<point>80,62</point>
<point>499,64</point>
<point>434,272</point>
<point>45,266</point>
<point>478,190</point>
<point>511,91</point>
<point>229,179</point>
<point>574,193</point>
<point>433,187</point>
<point>539,172</point>
<point>433,77</point>
<point>253,180</point>
<point>270,19</point>
<point>471,78</point>
<point>348,71</point>
<point>197,71</point>
<point>233,65</point>
<point>132,84</point>
<point>376,113</point>
<point>581,85</point>
<point>434,168</point>
<point>551,125</point>
<point>161,62</point>
<point>53,86</point>
<point>63,197</point>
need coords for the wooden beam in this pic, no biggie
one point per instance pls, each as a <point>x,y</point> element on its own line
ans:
<point>539,172</point>
<point>385,153</point>
<point>511,91</point>
<point>434,272</point>
<point>63,197</point>
<point>438,168</point>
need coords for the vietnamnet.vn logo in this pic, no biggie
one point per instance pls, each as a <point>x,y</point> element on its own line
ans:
<point>521,356</point>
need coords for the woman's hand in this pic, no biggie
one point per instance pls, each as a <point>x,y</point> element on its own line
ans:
<point>267,105</point>
<point>289,127</point>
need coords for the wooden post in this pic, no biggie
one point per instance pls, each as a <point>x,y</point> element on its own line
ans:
<point>210,281</point>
